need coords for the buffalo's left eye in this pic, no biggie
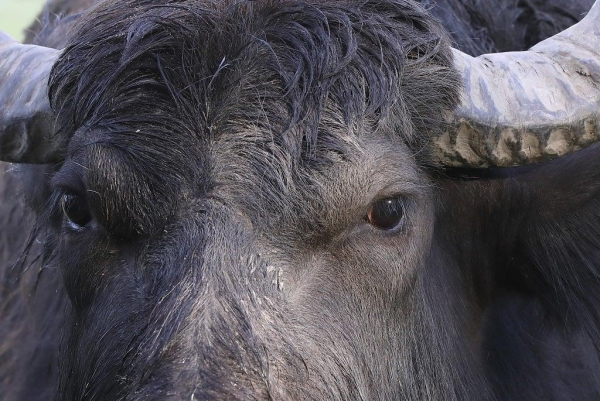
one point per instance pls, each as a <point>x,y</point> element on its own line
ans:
<point>75,209</point>
<point>387,214</point>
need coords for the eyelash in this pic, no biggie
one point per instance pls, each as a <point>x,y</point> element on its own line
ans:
<point>54,205</point>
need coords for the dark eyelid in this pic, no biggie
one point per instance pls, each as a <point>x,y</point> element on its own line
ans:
<point>64,188</point>
<point>68,180</point>
<point>384,196</point>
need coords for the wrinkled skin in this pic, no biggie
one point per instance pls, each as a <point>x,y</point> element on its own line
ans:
<point>224,262</point>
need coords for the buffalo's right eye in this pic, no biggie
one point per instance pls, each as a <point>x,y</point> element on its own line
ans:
<point>387,214</point>
<point>75,209</point>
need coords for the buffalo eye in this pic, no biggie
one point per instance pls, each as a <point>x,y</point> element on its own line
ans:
<point>75,209</point>
<point>386,214</point>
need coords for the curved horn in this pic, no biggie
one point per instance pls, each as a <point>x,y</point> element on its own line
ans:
<point>26,123</point>
<point>526,107</point>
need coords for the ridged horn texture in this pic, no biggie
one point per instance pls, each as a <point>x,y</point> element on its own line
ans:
<point>26,122</point>
<point>526,107</point>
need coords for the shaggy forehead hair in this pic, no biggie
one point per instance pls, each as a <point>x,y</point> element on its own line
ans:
<point>287,83</point>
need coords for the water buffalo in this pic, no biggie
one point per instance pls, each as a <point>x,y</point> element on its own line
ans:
<point>301,199</point>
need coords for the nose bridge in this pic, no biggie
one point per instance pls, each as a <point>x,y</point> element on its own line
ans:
<point>218,230</point>
<point>212,256</point>
<point>231,266</point>
<point>218,305</point>
<point>197,309</point>
<point>205,226</point>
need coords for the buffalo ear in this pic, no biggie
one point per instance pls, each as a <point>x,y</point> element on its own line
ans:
<point>534,229</point>
<point>26,119</point>
<point>559,240</point>
<point>530,233</point>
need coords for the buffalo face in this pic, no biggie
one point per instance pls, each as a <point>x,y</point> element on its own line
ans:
<point>245,201</point>
<point>239,212</point>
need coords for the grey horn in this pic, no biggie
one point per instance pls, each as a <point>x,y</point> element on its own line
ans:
<point>526,107</point>
<point>26,122</point>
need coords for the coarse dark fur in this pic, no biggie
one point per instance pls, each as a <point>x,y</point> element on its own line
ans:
<point>229,151</point>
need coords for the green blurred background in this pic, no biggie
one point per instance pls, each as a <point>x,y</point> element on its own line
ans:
<point>16,15</point>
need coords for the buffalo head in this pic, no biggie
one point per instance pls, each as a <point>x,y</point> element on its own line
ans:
<point>243,199</point>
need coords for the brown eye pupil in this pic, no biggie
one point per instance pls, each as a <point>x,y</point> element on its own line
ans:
<point>76,210</point>
<point>386,214</point>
